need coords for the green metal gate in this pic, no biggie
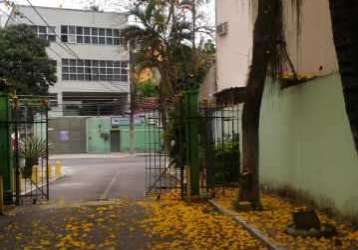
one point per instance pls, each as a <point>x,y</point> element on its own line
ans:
<point>195,150</point>
<point>24,133</point>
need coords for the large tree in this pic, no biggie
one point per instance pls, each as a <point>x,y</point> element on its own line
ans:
<point>269,55</point>
<point>163,39</point>
<point>24,63</point>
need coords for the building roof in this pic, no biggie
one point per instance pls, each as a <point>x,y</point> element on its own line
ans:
<point>72,9</point>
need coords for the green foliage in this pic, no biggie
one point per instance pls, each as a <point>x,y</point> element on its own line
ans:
<point>24,62</point>
<point>33,148</point>
<point>226,162</point>
<point>147,89</point>
<point>163,39</point>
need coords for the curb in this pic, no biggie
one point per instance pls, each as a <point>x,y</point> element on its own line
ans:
<point>89,156</point>
<point>252,230</point>
<point>50,182</point>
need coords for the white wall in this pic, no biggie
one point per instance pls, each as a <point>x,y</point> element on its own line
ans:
<point>309,37</point>
<point>234,49</point>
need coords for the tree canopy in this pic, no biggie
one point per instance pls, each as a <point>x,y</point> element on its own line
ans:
<point>163,38</point>
<point>24,63</point>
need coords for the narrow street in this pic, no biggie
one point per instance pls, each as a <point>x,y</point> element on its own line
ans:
<point>90,178</point>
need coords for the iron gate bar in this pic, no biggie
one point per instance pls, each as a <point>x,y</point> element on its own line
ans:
<point>16,150</point>
<point>219,150</point>
<point>30,121</point>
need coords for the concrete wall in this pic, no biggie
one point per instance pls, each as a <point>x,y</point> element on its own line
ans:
<point>71,135</point>
<point>234,49</point>
<point>306,143</point>
<point>309,36</point>
<point>67,135</point>
<point>98,144</point>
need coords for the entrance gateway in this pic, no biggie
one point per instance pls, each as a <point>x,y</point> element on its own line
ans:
<point>27,174</point>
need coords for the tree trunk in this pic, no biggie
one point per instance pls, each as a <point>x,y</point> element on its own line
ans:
<point>344,23</point>
<point>267,33</point>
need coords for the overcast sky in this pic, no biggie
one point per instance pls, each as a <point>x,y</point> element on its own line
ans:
<point>105,4</point>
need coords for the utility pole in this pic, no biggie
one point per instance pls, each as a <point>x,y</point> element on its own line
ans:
<point>132,98</point>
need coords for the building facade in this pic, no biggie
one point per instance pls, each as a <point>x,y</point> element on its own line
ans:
<point>307,127</point>
<point>91,57</point>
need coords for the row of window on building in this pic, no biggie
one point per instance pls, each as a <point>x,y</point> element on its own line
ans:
<point>90,35</point>
<point>44,32</point>
<point>94,70</point>
<point>80,35</point>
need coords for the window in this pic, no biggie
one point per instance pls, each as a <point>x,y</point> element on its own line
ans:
<point>102,40</point>
<point>68,34</point>
<point>87,31</point>
<point>64,29</point>
<point>87,39</point>
<point>79,31</point>
<point>53,100</point>
<point>42,29</point>
<point>44,32</point>
<point>64,38</point>
<point>90,35</point>
<point>94,70</point>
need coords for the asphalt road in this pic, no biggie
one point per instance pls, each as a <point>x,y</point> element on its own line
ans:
<point>89,179</point>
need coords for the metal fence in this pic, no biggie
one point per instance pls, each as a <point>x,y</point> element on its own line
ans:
<point>168,161</point>
<point>220,146</point>
<point>163,172</point>
<point>29,148</point>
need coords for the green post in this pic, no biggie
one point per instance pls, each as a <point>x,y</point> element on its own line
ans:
<point>192,131</point>
<point>5,159</point>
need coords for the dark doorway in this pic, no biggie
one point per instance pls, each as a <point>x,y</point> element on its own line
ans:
<point>115,141</point>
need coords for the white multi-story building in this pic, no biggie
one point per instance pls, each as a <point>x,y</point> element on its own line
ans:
<point>92,59</point>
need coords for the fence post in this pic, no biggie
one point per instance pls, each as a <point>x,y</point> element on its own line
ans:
<point>1,196</point>
<point>192,131</point>
<point>5,147</point>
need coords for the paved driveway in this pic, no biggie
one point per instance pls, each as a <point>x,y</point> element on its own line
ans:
<point>91,177</point>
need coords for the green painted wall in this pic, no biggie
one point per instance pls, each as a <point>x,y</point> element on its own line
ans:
<point>95,128</point>
<point>144,135</point>
<point>306,143</point>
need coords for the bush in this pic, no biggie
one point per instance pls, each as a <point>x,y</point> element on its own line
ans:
<point>226,163</point>
<point>147,89</point>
